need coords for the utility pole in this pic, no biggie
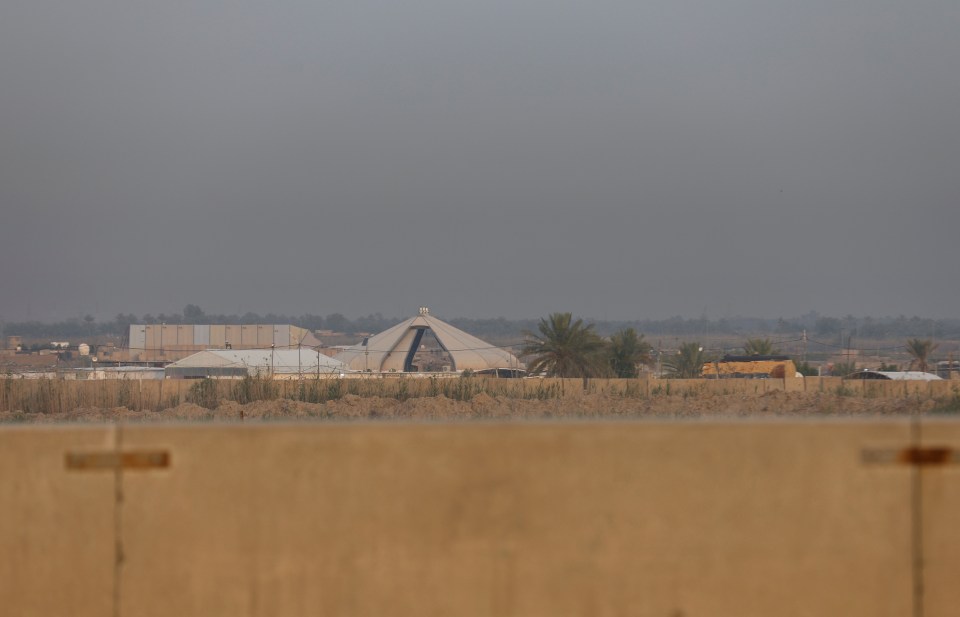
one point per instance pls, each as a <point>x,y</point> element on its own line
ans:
<point>659,358</point>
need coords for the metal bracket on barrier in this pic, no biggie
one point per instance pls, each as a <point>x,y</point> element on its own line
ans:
<point>111,461</point>
<point>915,456</point>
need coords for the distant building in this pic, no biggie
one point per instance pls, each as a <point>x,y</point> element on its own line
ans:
<point>132,373</point>
<point>237,363</point>
<point>171,342</point>
<point>750,367</point>
<point>948,369</point>
<point>895,375</point>
<point>425,344</point>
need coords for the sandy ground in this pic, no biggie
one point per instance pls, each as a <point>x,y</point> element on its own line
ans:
<point>485,407</point>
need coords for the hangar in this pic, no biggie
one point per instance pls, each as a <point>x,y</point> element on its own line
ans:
<point>275,363</point>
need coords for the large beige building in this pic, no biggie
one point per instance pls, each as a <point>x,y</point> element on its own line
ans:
<point>405,349</point>
<point>171,342</point>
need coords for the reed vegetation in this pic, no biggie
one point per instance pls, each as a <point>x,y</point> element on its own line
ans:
<point>51,396</point>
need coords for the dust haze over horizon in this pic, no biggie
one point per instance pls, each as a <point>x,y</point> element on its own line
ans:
<point>617,160</point>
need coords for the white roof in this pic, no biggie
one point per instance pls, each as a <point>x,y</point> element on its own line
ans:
<point>389,349</point>
<point>905,375</point>
<point>277,361</point>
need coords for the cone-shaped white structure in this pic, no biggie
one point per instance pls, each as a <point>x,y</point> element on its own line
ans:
<point>393,349</point>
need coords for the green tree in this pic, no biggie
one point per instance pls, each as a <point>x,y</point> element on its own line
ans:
<point>826,326</point>
<point>807,370</point>
<point>193,314</point>
<point>687,364</point>
<point>626,352</point>
<point>338,323</point>
<point>844,369</point>
<point>564,347</point>
<point>920,350</point>
<point>759,347</point>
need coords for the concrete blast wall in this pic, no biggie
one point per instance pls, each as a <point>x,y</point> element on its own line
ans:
<point>592,519</point>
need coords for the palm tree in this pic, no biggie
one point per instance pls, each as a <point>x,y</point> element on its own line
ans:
<point>920,350</point>
<point>688,363</point>
<point>564,348</point>
<point>759,347</point>
<point>626,352</point>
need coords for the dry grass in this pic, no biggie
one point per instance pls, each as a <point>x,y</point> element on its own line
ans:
<point>453,398</point>
<point>58,396</point>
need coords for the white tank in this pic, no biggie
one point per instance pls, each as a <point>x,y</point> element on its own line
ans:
<point>83,349</point>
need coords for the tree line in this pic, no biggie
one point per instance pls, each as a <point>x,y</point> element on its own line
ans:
<point>840,330</point>
<point>563,346</point>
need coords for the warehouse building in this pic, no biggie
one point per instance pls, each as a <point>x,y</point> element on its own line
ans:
<point>171,342</point>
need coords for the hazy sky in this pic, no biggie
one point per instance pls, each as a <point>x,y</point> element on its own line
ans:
<point>615,159</point>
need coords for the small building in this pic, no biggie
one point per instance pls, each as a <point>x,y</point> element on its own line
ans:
<point>750,367</point>
<point>949,369</point>
<point>238,363</point>
<point>133,373</point>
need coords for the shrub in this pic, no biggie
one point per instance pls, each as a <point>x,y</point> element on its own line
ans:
<point>204,394</point>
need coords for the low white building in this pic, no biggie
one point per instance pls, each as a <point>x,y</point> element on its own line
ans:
<point>895,375</point>
<point>121,372</point>
<point>275,363</point>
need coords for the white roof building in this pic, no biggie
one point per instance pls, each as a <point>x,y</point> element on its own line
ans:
<point>253,362</point>
<point>393,350</point>
<point>896,375</point>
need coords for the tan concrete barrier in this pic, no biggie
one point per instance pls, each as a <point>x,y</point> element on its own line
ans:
<point>645,518</point>
<point>56,528</point>
<point>939,489</point>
